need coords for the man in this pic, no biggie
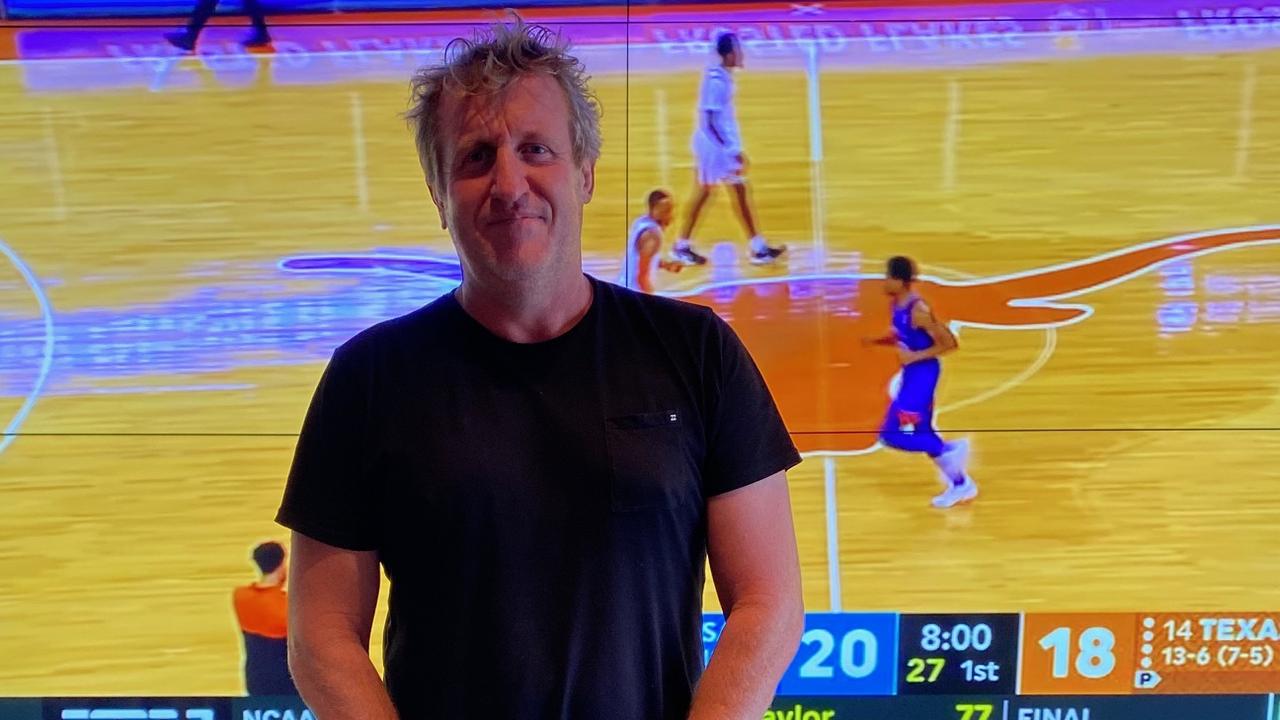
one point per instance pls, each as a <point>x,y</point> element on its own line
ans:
<point>908,425</point>
<point>720,160</point>
<point>186,40</point>
<point>644,243</point>
<point>541,462</point>
<point>262,613</point>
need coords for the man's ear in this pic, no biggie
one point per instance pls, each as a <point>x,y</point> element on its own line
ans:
<point>588,181</point>
<point>444,223</point>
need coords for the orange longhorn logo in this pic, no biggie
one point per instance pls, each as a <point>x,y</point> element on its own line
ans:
<point>805,332</point>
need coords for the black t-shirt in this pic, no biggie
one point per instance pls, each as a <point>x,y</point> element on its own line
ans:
<point>539,509</point>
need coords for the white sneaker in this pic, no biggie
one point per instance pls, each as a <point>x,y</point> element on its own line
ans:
<point>957,494</point>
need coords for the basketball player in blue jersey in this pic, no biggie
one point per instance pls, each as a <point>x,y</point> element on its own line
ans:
<point>908,425</point>
<point>644,243</point>
<point>717,152</point>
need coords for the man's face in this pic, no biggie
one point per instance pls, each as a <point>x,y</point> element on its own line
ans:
<point>664,211</point>
<point>511,193</point>
<point>894,286</point>
<point>736,58</point>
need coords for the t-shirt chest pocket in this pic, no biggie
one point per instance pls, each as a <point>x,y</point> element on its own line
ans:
<point>649,461</point>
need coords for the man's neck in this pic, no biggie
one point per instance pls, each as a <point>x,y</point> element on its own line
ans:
<point>270,581</point>
<point>527,314</point>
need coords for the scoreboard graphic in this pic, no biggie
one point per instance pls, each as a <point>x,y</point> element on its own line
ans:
<point>939,707</point>
<point>889,666</point>
<point>1031,654</point>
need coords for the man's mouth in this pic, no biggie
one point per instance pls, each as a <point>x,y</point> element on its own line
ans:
<point>512,219</point>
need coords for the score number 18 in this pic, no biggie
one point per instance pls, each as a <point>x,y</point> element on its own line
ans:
<point>1095,657</point>
<point>1085,653</point>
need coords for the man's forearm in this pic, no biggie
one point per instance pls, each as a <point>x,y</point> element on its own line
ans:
<point>338,682</point>
<point>887,339</point>
<point>757,644</point>
<point>933,352</point>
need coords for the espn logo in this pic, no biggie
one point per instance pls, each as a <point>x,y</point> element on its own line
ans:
<point>137,714</point>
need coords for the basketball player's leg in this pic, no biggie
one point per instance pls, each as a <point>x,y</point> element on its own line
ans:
<point>952,459</point>
<point>743,204</point>
<point>204,10</point>
<point>260,36</point>
<point>186,39</point>
<point>908,426</point>
<point>200,16</point>
<point>910,431</point>
<point>701,194</point>
<point>713,165</point>
<point>760,251</point>
<point>683,250</point>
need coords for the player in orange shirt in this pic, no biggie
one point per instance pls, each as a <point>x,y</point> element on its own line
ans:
<point>262,610</point>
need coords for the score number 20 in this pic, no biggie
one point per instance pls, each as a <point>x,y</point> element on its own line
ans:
<point>857,657</point>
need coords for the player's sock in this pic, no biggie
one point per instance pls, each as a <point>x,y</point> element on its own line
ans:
<point>758,244</point>
<point>954,460</point>
<point>682,244</point>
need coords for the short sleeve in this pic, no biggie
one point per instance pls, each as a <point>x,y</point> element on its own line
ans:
<point>330,494</point>
<point>747,440</point>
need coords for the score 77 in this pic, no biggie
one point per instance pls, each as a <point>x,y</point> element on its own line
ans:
<point>974,711</point>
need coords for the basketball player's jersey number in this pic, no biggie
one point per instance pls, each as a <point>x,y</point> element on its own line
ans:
<point>856,656</point>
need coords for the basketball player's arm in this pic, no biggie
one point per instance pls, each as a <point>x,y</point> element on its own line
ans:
<point>650,243</point>
<point>646,247</point>
<point>332,596</point>
<point>944,341</point>
<point>711,128</point>
<point>889,338</point>
<point>756,567</point>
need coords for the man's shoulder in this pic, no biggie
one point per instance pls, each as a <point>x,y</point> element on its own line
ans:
<point>398,332</point>
<point>670,312</point>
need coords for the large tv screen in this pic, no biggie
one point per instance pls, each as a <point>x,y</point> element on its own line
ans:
<point>1089,194</point>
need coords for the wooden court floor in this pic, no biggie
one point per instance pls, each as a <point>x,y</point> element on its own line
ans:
<point>1126,463</point>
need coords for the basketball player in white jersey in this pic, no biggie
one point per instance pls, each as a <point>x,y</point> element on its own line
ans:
<point>717,152</point>
<point>644,243</point>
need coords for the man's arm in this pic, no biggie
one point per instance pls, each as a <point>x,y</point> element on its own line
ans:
<point>711,128</point>
<point>889,338</point>
<point>944,341</point>
<point>756,567</point>
<point>332,597</point>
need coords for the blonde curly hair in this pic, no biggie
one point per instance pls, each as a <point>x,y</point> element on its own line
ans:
<point>487,65</point>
